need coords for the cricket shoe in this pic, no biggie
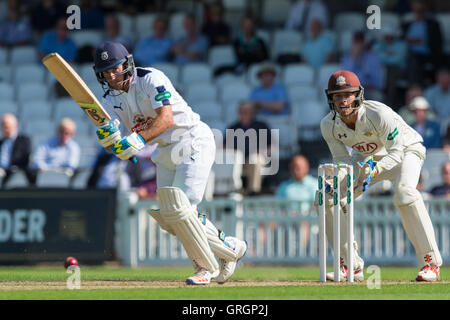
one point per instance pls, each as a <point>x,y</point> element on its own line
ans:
<point>227,268</point>
<point>429,273</point>
<point>201,276</point>
<point>358,274</point>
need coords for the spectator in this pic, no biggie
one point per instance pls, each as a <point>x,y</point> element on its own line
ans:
<point>366,65</point>
<point>92,16</point>
<point>248,46</point>
<point>271,97</point>
<point>193,46</point>
<point>426,195</point>
<point>156,47</point>
<point>429,130</point>
<point>303,12</point>
<point>16,30</point>
<point>59,153</point>
<point>146,173</point>
<point>58,41</point>
<point>405,112</point>
<point>112,32</point>
<point>15,150</point>
<point>318,47</point>
<point>301,186</point>
<point>106,171</point>
<point>438,95</point>
<point>444,189</point>
<point>215,28</point>
<point>392,53</point>
<point>45,14</point>
<point>254,155</point>
<point>424,39</point>
<point>446,140</point>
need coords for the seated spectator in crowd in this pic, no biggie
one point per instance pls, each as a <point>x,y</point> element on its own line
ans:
<point>424,39</point>
<point>92,16</point>
<point>215,28</point>
<point>112,32</point>
<point>446,140</point>
<point>248,46</point>
<point>271,97</point>
<point>58,41</point>
<point>444,189</point>
<point>318,48</point>
<point>156,47</point>
<point>405,111</point>
<point>16,30</point>
<point>301,186</point>
<point>145,171</point>
<point>303,12</point>
<point>59,153</point>
<point>45,14</point>
<point>254,154</point>
<point>15,150</point>
<point>106,171</point>
<point>438,95</point>
<point>366,65</point>
<point>428,129</point>
<point>425,194</point>
<point>392,53</point>
<point>193,47</point>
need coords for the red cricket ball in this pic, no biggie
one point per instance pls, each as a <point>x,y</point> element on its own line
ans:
<point>70,261</point>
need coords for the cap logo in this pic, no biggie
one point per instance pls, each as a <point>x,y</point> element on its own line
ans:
<point>104,55</point>
<point>340,81</point>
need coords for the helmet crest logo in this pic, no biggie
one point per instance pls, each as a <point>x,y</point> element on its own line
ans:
<point>104,55</point>
<point>340,81</point>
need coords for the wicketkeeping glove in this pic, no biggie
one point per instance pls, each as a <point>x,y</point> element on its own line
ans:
<point>368,171</point>
<point>109,134</point>
<point>128,147</point>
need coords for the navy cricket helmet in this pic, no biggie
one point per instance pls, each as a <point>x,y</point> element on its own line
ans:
<point>110,55</point>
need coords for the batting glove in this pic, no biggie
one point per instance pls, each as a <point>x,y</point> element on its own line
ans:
<point>128,147</point>
<point>109,134</point>
<point>369,169</point>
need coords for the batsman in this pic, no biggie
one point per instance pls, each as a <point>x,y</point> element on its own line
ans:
<point>146,103</point>
<point>383,147</point>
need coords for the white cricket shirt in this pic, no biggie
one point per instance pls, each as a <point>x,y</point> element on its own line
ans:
<point>379,131</point>
<point>150,89</point>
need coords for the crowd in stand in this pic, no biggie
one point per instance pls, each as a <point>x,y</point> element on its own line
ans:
<point>406,67</point>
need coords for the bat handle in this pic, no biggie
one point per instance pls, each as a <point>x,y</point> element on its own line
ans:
<point>134,160</point>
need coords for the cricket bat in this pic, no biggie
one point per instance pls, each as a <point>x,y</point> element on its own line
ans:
<point>77,89</point>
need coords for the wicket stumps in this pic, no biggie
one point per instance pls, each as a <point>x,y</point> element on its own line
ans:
<point>336,219</point>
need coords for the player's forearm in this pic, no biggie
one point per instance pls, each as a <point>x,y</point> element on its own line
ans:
<point>162,122</point>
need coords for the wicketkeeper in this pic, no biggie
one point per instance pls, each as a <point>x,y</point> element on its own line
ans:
<point>146,102</point>
<point>383,147</point>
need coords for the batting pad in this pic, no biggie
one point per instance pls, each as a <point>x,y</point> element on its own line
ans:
<point>156,214</point>
<point>220,249</point>
<point>179,215</point>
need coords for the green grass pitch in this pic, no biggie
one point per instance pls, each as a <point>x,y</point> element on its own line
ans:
<point>248,283</point>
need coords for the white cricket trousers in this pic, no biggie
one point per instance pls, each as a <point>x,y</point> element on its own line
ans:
<point>187,163</point>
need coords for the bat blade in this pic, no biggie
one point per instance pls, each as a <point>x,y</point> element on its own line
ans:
<point>77,88</point>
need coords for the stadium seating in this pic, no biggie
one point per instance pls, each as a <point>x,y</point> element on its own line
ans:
<point>31,91</point>
<point>171,70</point>
<point>87,72</point>
<point>29,73</point>
<point>196,72</point>
<point>44,127</point>
<point>444,21</point>
<point>275,12</point>
<point>52,179</point>
<point>9,106</point>
<point>36,109</point>
<point>67,107</point>
<point>127,25</point>
<point>324,73</point>
<point>222,55</point>
<point>6,91</point>
<point>144,24</point>
<point>432,168</point>
<point>3,56</point>
<point>233,92</point>
<point>227,170</point>
<point>198,92</point>
<point>208,110</point>
<point>298,74</point>
<point>349,21</point>
<point>176,28</point>
<point>299,93</point>
<point>24,54</point>
<point>6,73</point>
<point>285,41</point>
<point>86,37</point>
